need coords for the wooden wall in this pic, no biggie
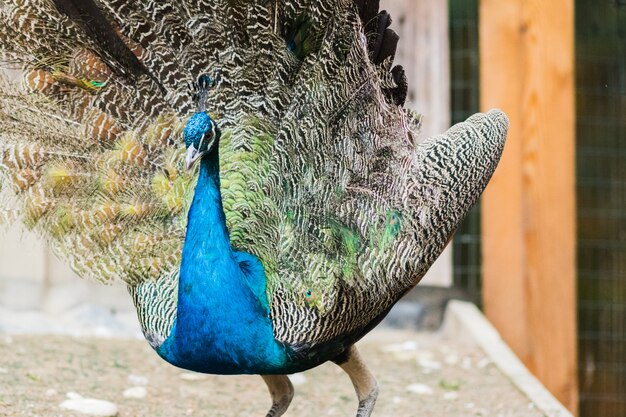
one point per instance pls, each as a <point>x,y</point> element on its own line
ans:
<point>528,212</point>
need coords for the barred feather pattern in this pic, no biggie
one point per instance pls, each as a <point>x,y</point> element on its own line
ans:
<point>156,317</point>
<point>322,175</point>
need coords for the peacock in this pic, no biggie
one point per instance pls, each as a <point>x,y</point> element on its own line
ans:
<point>246,167</point>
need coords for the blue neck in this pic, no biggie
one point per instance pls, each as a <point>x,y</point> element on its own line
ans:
<point>206,227</point>
<point>222,324</point>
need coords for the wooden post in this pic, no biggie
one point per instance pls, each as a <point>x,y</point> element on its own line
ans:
<point>528,211</point>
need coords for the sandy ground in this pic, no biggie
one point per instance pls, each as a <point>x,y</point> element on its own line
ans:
<point>420,374</point>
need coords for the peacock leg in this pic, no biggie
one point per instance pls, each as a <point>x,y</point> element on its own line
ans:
<point>364,382</point>
<point>281,391</point>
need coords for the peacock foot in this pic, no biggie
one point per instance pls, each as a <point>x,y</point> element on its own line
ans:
<point>366,406</point>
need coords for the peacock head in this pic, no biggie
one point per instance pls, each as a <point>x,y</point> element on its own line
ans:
<point>201,136</point>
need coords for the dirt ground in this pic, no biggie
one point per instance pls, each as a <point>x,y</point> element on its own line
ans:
<point>420,374</point>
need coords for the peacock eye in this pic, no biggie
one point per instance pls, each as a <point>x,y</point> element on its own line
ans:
<point>204,140</point>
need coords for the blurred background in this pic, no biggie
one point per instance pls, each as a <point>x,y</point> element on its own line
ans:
<point>544,253</point>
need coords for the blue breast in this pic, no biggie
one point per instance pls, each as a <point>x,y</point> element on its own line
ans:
<point>223,321</point>
<point>223,329</point>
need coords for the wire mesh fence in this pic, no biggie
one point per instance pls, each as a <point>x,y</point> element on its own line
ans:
<point>601,189</point>
<point>464,70</point>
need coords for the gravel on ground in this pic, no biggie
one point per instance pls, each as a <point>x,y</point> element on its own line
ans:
<point>420,374</point>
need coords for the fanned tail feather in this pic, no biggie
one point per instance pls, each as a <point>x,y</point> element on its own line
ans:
<point>322,178</point>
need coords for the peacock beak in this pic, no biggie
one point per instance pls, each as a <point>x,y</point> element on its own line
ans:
<point>192,156</point>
